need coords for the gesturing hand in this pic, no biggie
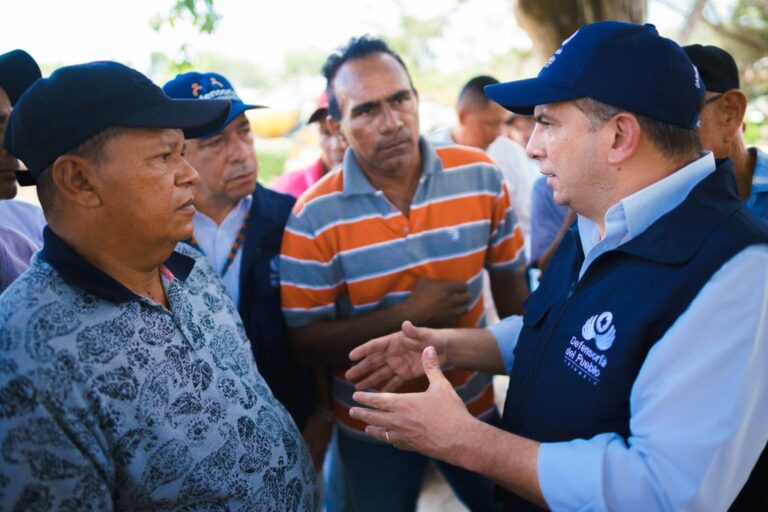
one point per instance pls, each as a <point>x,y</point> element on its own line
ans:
<point>386,363</point>
<point>426,422</point>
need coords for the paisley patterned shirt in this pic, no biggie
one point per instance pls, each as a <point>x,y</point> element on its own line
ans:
<point>110,401</point>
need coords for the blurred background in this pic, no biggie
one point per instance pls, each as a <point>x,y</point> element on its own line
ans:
<point>272,51</point>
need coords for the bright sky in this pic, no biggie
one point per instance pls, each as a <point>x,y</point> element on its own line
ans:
<point>71,31</point>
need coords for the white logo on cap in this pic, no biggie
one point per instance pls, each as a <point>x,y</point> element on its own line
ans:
<point>560,50</point>
<point>697,79</point>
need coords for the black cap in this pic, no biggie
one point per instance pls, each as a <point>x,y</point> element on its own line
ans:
<point>18,70</point>
<point>59,113</point>
<point>716,67</point>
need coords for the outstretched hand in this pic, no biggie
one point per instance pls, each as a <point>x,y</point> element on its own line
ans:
<point>425,422</point>
<point>386,363</point>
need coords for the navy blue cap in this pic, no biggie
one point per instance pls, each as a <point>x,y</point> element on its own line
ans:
<point>18,70</point>
<point>716,66</point>
<point>205,86</point>
<point>57,114</point>
<point>624,65</point>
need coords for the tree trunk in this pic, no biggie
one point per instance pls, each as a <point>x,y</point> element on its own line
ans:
<point>550,22</point>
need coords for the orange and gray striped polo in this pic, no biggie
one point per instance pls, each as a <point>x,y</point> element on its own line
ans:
<point>347,251</point>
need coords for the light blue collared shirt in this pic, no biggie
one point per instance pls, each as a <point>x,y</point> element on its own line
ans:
<point>216,242</point>
<point>758,198</point>
<point>700,402</point>
<point>26,218</point>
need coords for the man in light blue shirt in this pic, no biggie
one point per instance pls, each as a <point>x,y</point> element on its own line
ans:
<point>18,70</point>
<point>639,372</point>
<point>722,124</point>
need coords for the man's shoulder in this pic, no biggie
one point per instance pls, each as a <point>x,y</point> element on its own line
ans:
<point>274,202</point>
<point>455,155</point>
<point>328,186</point>
<point>40,292</point>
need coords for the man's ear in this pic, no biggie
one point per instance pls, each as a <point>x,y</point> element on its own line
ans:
<point>731,108</point>
<point>462,113</point>
<point>624,137</point>
<point>75,178</point>
<point>334,127</point>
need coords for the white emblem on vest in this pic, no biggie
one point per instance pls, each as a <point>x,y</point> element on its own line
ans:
<point>601,329</point>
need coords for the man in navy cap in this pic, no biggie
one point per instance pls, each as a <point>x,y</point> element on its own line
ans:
<point>637,381</point>
<point>239,227</point>
<point>127,379</point>
<point>722,124</point>
<point>18,70</point>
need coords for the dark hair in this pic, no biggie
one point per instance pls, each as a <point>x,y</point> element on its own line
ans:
<point>355,48</point>
<point>473,90</point>
<point>672,140</point>
<point>92,150</point>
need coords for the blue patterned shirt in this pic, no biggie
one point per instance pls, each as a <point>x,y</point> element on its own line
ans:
<point>109,400</point>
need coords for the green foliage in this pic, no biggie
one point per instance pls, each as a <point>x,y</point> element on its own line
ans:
<point>200,13</point>
<point>305,62</point>
<point>754,134</point>
<point>271,163</point>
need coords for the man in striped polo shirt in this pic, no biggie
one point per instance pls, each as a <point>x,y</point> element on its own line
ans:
<point>400,231</point>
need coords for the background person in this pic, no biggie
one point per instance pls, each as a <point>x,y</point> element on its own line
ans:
<point>481,125</point>
<point>722,124</point>
<point>387,237</point>
<point>332,148</point>
<point>18,70</point>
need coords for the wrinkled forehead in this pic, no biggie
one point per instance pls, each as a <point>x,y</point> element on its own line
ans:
<point>370,78</point>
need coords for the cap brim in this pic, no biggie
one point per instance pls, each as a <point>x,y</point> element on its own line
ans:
<point>521,96</point>
<point>18,70</point>
<point>195,117</point>
<point>236,108</point>
<point>318,115</point>
<point>25,178</point>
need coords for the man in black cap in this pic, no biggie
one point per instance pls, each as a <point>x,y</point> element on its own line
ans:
<point>722,124</point>
<point>17,71</point>
<point>127,378</point>
<point>637,381</point>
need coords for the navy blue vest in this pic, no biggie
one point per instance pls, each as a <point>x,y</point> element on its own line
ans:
<point>584,341</point>
<point>292,384</point>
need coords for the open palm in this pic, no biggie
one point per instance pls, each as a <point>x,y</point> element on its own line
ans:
<point>386,363</point>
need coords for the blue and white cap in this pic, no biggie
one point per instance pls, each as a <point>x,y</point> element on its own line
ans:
<point>208,86</point>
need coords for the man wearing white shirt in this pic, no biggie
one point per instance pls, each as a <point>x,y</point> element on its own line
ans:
<point>481,125</point>
<point>639,371</point>
<point>239,227</point>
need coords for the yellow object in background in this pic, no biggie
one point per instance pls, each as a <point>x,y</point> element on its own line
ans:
<point>270,122</point>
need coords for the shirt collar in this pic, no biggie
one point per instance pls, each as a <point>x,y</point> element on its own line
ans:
<point>356,182</point>
<point>635,213</point>
<point>77,271</point>
<point>760,176</point>
<point>238,212</point>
